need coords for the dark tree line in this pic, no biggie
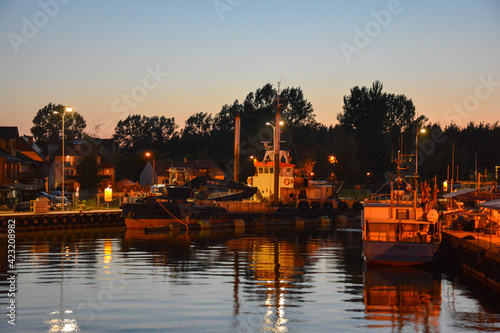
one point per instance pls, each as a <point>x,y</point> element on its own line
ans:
<point>373,126</point>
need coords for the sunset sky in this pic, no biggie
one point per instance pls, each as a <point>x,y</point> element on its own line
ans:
<point>110,59</point>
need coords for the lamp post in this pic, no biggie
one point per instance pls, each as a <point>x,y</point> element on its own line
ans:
<point>416,149</point>
<point>416,163</point>
<point>63,114</point>
<point>274,128</point>
<point>148,154</point>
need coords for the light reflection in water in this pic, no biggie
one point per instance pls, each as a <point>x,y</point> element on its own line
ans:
<point>62,324</point>
<point>275,280</point>
<point>402,298</point>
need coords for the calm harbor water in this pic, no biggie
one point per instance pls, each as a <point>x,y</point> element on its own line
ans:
<point>268,280</point>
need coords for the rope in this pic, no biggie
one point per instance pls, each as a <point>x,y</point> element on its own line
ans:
<point>187,226</point>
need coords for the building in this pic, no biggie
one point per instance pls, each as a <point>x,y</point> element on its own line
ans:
<point>23,168</point>
<point>34,169</point>
<point>74,152</point>
<point>206,167</point>
<point>9,162</point>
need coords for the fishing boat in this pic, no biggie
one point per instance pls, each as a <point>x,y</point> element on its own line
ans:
<point>401,228</point>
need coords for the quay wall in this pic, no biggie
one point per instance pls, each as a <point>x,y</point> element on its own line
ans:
<point>479,258</point>
<point>114,218</point>
<point>62,220</point>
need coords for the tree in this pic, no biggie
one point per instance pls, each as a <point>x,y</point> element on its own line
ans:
<point>345,148</point>
<point>46,123</point>
<point>141,132</point>
<point>377,119</point>
<point>297,111</point>
<point>199,124</point>
<point>87,170</point>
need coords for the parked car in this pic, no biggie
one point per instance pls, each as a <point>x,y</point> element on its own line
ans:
<point>68,195</point>
<point>57,202</point>
<point>46,195</point>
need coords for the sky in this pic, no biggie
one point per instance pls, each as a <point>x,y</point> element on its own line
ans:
<point>110,59</point>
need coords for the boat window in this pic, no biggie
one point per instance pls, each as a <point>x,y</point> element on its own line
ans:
<point>384,232</point>
<point>402,214</point>
<point>260,170</point>
<point>271,170</point>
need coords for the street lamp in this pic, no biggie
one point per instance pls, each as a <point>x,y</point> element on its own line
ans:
<point>274,128</point>
<point>416,162</point>
<point>148,154</point>
<point>416,150</point>
<point>63,115</point>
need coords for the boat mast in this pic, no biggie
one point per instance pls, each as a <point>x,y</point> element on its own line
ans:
<point>277,150</point>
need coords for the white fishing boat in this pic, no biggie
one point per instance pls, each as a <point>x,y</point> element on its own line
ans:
<point>401,228</point>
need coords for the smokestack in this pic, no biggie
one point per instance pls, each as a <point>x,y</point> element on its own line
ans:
<point>237,148</point>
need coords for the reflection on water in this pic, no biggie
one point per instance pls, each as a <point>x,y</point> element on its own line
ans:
<point>402,298</point>
<point>268,280</point>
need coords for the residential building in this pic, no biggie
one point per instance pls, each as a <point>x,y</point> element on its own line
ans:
<point>206,167</point>
<point>9,162</point>
<point>74,151</point>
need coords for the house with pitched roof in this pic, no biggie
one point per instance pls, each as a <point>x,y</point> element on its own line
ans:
<point>34,169</point>
<point>9,162</point>
<point>74,151</point>
<point>23,168</point>
<point>205,167</point>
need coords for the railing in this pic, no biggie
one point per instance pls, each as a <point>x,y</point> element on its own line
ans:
<point>403,199</point>
<point>402,232</point>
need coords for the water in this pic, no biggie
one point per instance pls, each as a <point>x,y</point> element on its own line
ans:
<point>272,280</point>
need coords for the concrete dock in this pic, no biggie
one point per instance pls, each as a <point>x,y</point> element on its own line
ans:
<point>476,253</point>
<point>62,220</point>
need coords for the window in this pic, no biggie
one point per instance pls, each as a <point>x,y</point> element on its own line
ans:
<point>402,214</point>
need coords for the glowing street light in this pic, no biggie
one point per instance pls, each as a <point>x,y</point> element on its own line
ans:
<point>148,154</point>
<point>63,114</point>
<point>416,150</point>
<point>274,128</point>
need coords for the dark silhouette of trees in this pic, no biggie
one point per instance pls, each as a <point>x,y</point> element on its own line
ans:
<point>141,132</point>
<point>377,119</point>
<point>87,169</point>
<point>46,123</point>
<point>373,126</point>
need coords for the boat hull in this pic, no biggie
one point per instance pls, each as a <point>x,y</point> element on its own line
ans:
<point>132,223</point>
<point>398,253</point>
<point>162,212</point>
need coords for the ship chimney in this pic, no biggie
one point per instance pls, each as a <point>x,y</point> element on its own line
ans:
<point>237,148</point>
